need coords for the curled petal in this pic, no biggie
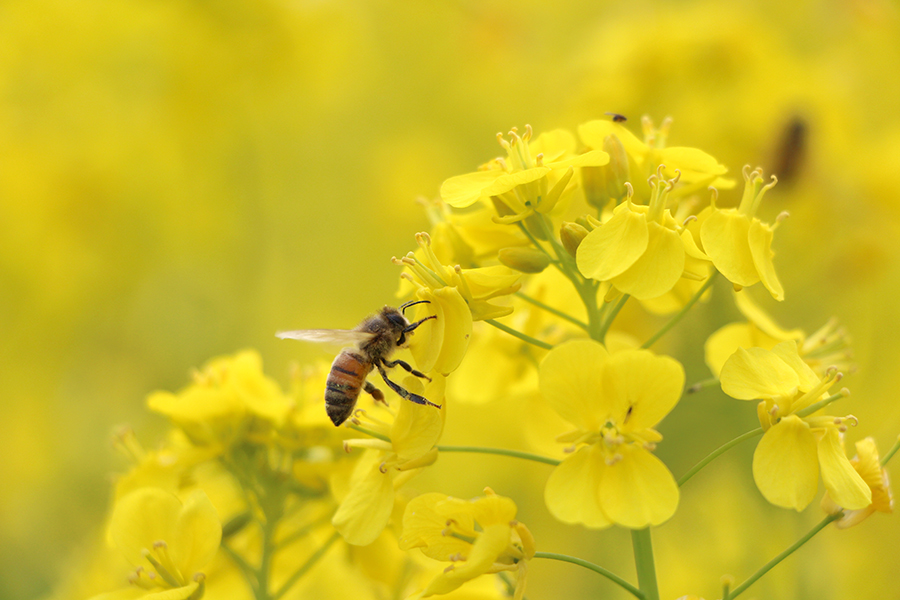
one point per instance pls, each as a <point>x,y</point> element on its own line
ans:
<point>365,510</point>
<point>786,464</point>
<point>440,344</point>
<point>724,235</point>
<point>760,239</point>
<point>843,483</point>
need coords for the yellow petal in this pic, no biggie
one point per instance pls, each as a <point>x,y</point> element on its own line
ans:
<point>724,342</point>
<point>489,545</point>
<point>465,190</point>
<point>365,510</point>
<point>592,158</point>
<point>724,235</point>
<point>440,344</point>
<point>508,181</point>
<point>756,373</point>
<point>593,133</point>
<point>787,351</point>
<point>638,490</point>
<point>760,240</point>
<point>763,321</point>
<point>843,483</point>
<point>571,491</point>
<point>198,533</point>
<point>553,144</point>
<point>571,380</point>
<point>786,464</point>
<point>141,518</point>
<point>418,427</point>
<point>424,520</point>
<point>694,164</point>
<point>493,509</point>
<point>641,387</point>
<point>614,246</point>
<point>658,269</point>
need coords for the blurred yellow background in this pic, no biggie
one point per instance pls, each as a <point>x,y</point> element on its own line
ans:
<point>179,180</point>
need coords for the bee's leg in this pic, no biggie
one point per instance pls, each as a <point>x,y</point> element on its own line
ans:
<point>376,394</point>
<point>412,326</point>
<point>403,393</point>
<point>394,363</point>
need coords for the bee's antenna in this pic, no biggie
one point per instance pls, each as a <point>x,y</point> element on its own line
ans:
<point>406,305</point>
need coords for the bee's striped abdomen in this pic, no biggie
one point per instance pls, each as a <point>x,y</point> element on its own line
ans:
<point>346,379</point>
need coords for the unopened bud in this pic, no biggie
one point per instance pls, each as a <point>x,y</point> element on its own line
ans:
<point>571,235</point>
<point>607,182</point>
<point>526,260</point>
<point>585,222</point>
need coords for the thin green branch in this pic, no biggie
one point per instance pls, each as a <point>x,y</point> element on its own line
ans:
<point>680,314</point>
<point>369,433</point>
<point>519,334</point>
<point>501,452</point>
<point>595,568</point>
<point>303,531</point>
<point>703,383</point>
<point>248,571</point>
<point>644,563</point>
<point>771,564</point>
<point>309,564</point>
<point>552,310</point>
<point>611,314</point>
<point>717,452</point>
<point>819,405</point>
<point>890,453</point>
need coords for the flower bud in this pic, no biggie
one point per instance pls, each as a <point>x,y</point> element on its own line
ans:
<point>571,234</point>
<point>526,260</point>
<point>603,183</point>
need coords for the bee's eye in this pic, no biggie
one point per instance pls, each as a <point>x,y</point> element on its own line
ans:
<point>397,320</point>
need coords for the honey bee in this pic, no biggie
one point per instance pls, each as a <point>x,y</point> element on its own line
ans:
<point>375,338</point>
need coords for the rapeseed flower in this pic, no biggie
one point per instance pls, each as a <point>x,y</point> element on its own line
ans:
<point>477,536</point>
<point>614,401</point>
<point>799,441</point>
<point>169,543</point>
<point>867,464</point>
<point>739,244</point>
<point>386,465</point>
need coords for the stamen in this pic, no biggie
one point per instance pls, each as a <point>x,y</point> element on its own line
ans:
<point>688,220</point>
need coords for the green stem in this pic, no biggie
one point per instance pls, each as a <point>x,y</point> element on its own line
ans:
<point>370,433</point>
<point>303,531</point>
<point>769,565</point>
<point>805,412</point>
<point>501,452</point>
<point>611,316</point>
<point>717,452</point>
<point>644,564</point>
<point>595,568</point>
<point>519,334</point>
<point>890,453</point>
<point>677,317</point>
<point>309,564</point>
<point>242,564</point>
<point>703,383</point>
<point>552,310</point>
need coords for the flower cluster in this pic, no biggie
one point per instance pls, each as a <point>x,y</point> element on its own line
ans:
<point>540,285</point>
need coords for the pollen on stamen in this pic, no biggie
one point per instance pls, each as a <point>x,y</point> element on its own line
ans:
<point>688,220</point>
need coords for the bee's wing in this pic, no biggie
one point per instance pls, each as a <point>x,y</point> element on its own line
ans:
<point>332,336</point>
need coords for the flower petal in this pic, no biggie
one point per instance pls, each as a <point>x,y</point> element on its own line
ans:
<point>465,190</point>
<point>658,269</point>
<point>614,246</point>
<point>786,464</point>
<point>198,533</point>
<point>642,387</point>
<point>638,490</point>
<point>141,518</point>
<point>756,373</point>
<point>571,492</point>
<point>843,483</point>
<point>760,239</point>
<point>571,379</point>
<point>365,510</point>
<point>424,521</point>
<point>724,235</point>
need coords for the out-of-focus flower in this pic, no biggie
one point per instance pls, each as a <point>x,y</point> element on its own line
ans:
<point>167,541</point>
<point>867,464</point>
<point>477,536</point>
<point>614,401</point>
<point>826,347</point>
<point>797,444</point>
<point>386,465</point>
<point>739,244</point>
<point>230,398</point>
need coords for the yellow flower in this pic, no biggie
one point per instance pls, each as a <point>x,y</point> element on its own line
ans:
<point>797,444</point>
<point>826,347</point>
<point>867,464</point>
<point>614,401</point>
<point>169,542</point>
<point>640,250</point>
<point>456,297</point>
<point>230,398</point>
<point>532,178</point>
<point>739,244</point>
<point>386,465</point>
<point>478,536</point>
